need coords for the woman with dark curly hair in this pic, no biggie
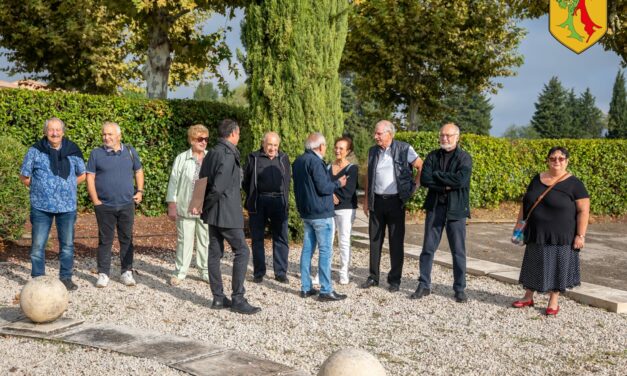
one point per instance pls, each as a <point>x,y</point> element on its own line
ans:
<point>555,231</point>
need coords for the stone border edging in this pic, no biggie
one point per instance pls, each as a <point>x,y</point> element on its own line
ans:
<point>184,354</point>
<point>613,300</point>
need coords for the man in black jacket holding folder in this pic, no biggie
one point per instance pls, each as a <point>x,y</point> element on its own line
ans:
<point>222,211</point>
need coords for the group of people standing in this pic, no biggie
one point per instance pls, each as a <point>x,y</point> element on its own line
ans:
<point>52,169</point>
<point>326,200</point>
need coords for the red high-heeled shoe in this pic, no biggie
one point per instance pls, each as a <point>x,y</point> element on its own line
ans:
<point>551,311</point>
<point>522,303</point>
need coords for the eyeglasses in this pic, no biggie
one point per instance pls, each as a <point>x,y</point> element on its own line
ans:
<point>557,159</point>
<point>445,135</point>
<point>201,139</point>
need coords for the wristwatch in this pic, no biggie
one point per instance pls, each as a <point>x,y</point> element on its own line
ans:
<point>140,191</point>
<point>582,236</point>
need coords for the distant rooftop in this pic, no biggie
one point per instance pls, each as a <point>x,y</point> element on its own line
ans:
<point>23,84</point>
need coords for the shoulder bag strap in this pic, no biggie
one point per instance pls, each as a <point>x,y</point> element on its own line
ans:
<point>544,194</point>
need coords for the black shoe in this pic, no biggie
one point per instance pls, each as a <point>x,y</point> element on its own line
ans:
<point>242,306</point>
<point>69,285</point>
<point>394,287</point>
<point>460,297</point>
<point>306,294</point>
<point>258,279</point>
<point>282,279</point>
<point>221,303</point>
<point>369,283</point>
<point>331,297</point>
<point>420,292</point>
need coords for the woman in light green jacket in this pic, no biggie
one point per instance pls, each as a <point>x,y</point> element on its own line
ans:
<point>189,227</point>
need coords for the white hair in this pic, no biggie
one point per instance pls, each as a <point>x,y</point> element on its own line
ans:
<point>388,126</point>
<point>53,120</point>
<point>268,134</point>
<point>112,124</point>
<point>457,131</point>
<point>314,141</point>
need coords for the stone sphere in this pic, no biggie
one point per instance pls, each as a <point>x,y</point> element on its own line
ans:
<point>350,362</point>
<point>44,299</point>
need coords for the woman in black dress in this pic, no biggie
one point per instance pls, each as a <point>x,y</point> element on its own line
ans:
<point>555,232</point>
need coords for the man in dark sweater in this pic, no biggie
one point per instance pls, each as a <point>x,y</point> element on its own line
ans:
<point>222,211</point>
<point>446,174</point>
<point>266,183</point>
<point>314,189</point>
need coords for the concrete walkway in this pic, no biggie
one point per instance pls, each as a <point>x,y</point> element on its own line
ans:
<point>490,253</point>
<point>184,354</point>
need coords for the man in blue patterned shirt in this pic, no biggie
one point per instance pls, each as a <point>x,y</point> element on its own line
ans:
<point>52,169</point>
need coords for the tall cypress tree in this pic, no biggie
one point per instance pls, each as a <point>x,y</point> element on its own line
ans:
<point>293,55</point>
<point>617,115</point>
<point>552,118</point>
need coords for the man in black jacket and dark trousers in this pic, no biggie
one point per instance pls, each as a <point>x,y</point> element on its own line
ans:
<point>446,174</point>
<point>222,211</point>
<point>267,177</point>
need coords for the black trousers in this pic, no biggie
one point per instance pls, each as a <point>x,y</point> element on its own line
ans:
<point>109,219</point>
<point>388,212</point>
<point>270,209</point>
<point>235,238</point>
<point>456,233</point>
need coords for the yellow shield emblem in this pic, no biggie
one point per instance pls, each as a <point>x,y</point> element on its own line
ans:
<point>578,24</point>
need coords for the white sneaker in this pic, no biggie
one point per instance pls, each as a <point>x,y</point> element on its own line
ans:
<point>315,280</point>
<point>103,280</point>
<point>127,278</point>
<point>343,281</point>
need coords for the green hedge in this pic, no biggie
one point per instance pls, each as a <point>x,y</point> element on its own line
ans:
<point>502,168</point>
<point>156,128</point>
<point>14,199</point>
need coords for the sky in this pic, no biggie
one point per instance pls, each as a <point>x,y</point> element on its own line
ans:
<point>544,58</point>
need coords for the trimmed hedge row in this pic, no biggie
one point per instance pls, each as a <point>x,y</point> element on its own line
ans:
<point>503,168</point>
<point>13,194</point>
<point>157,129</point>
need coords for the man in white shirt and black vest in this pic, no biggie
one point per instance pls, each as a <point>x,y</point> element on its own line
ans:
<point>390,184</point>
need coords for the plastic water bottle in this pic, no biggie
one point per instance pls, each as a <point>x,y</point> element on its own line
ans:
<point>517,236</point>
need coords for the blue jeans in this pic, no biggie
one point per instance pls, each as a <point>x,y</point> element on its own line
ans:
<point>42,222</point>
<point>320,232</point>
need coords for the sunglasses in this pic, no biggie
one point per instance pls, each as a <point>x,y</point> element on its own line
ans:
<point>557,159</point>
<point>201,139</point>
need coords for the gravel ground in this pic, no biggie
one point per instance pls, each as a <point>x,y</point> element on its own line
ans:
<point>434,335</point>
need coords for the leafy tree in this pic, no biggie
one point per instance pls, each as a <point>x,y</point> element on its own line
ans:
<point>520,131</point>
<point>552,118</point>
<point>413,53</point>
<point>236,97</point>
<point>98,46</point>
<point>72,44</point>
<point>205,92</point>
<point>470,111</point>
<point>614,40</point>
<point>617,115</point>
<point>172,47</point>
<point>588,119</point>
